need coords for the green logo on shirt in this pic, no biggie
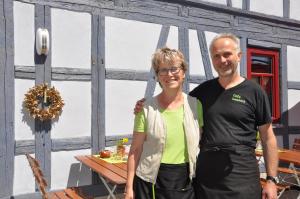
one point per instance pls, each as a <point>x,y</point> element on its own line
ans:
<point>238,98</point>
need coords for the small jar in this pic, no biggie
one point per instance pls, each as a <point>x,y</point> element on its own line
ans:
<point>121,150</point>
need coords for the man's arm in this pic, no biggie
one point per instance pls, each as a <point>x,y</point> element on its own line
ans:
<point>270,153</point>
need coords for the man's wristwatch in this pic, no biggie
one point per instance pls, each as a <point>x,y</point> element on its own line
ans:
<point>273,179</point>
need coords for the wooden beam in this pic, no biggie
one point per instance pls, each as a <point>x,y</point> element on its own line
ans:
<point>205,54</point>
<point>6,98</point>
<point>151,78</point>
<point>293,85</point>
<point>286,8</point>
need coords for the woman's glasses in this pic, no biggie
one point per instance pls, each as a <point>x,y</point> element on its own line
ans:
<point>165,71</point>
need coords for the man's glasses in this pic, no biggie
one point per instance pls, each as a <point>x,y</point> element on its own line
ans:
<point>165,71</point>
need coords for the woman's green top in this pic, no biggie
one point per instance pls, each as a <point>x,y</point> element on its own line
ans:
<point>175,151</point>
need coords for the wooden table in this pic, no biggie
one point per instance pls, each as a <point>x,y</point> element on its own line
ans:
<point>289,156</point>
<point>286,155</point>
<point>108,172</point>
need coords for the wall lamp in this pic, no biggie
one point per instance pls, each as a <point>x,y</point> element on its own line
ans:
<point>42,43</point>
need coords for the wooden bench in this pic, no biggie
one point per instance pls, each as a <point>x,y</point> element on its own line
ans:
<point>68,193</point>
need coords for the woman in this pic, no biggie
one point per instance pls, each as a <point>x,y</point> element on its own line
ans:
<point>162,157</point>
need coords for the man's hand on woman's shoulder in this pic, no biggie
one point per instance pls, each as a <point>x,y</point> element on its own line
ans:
<point>139,106</point>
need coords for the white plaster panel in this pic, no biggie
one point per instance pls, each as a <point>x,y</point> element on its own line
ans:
<point>192,86</point>
<point>237,4</point>
<point>269,7</point>
<point>196,63</point>
<point>24,123</point>
<point>24,33</point>
<point>217,1</point>
<point>130,44</point>
<point>172,41</point>
<point>75,119</point>
<point>292,139</point>
<point>293,69</point>
<point>120,99</point>
<point>23,177</point>
<point>295,9</point>
<point>157,90</point>
<point>71,39</point>
<point>294,107</point>
<point>66,171</point>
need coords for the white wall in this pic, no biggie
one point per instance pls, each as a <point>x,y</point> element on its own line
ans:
<point>75,119</point>
<point>120,99</point>
<point>224,2</point>
<point>172,41</point>
<point>66,171</point>
<point>24,124</point>
<point>295,9</point>
<point>269,7</point>
<point>71,39</point>
<point>237,4</point>
<point>294,107</point>
<point>23,55</point>
<point>23,176</point>
<point>195,59</point>
<point>24,34</point>
<point>293,69</point>
<point>129,44</point>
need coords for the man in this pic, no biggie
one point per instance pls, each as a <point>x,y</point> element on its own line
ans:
<point>234,109</point>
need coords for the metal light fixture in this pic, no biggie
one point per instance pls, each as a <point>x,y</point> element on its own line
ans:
<point>42,43</point>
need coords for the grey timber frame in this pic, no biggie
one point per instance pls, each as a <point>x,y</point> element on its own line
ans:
<point>183,46</point>
<point>98,84</point>
<point>284,95</point>
<point>254,29</point>
<point>286,8</point>
<point>6,99</point>
<point>151,77</point>
<point>205,55</point>
<point>43,75</point>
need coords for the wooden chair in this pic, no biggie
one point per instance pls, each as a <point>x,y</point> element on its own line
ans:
<point>68,193</point>
<point>296,145</point>
<point>291,173</point>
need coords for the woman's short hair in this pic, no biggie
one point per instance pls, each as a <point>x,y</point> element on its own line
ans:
<point>168,56</point>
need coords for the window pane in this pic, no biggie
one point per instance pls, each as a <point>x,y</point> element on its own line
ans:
<point>266,84</point>
<point>261,64</point>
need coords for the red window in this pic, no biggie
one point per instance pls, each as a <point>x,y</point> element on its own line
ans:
<point>263,68</point>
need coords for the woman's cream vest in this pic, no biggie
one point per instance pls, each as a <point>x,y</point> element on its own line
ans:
<point>156,137</point>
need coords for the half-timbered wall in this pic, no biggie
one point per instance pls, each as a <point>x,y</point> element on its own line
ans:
<point>99,60</point>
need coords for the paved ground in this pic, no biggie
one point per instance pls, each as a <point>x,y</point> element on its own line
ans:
<point>287,195</point>
<point>291,195</point>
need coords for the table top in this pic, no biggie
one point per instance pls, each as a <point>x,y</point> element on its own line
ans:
<point>114,172</point>
<point>285,155</point>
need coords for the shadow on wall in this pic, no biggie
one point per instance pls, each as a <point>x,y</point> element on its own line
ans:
<point>294,115</point>
<point>30,121</point>
<point>79,175</point>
